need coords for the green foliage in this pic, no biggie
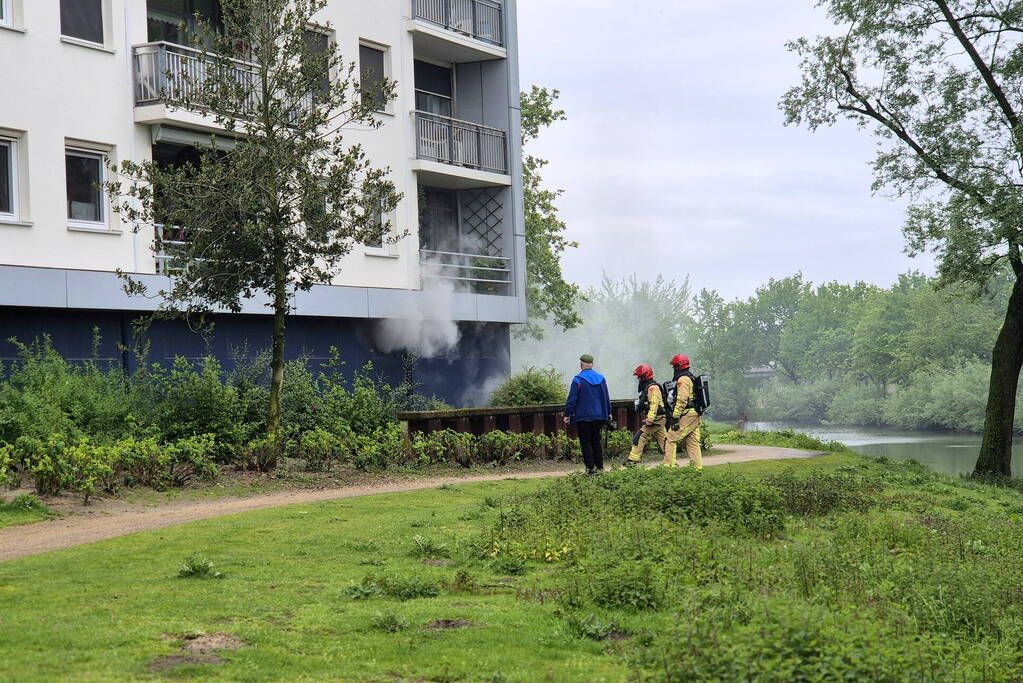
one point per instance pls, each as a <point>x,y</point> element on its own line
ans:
<point>198,567</point>
<point>785,438</point>
<point>395,586</point>
<point>428,548</point>
<point>389,622</point>
<point>548,295</point>
<point>530,387</point>
<point>591,627</point>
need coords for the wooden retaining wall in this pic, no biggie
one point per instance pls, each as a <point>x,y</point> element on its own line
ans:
<point>536,419</point>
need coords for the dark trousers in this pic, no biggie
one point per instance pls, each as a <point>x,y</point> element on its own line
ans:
<point>589,441</point>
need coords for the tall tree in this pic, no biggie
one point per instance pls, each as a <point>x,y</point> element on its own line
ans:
<point>939,83</point>
<point>549,295</point>
<point>276,213</point>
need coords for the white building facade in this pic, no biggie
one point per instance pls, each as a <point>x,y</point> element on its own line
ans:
<point>81,87</point>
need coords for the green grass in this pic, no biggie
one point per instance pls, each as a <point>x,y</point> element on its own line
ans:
<point>23,509</point>
<point>840,563</point>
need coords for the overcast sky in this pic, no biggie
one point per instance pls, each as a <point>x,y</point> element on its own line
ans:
<point>674,139</point>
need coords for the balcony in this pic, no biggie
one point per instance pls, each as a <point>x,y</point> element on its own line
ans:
<point>479,19</point>
<point>475,273</point>
<point>459,30</point>
<point>476,154</point>
<point>167,71</point>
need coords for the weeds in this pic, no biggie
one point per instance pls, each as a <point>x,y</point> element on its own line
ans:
<point>389,622</point>
<point>198,567</point>
<point>426,548</point>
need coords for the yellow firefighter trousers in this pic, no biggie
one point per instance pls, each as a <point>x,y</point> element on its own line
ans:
<point>656,432</point>
<point>687,432</point>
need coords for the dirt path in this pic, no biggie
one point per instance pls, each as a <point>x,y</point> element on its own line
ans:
<point>66,532</point>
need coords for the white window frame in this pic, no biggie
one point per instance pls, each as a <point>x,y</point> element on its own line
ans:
<point>7,13</point>
<point>104,14</point>
<point>104,222</point>
<point>386,50</point>
<point>385,246</point>
<point>12,146</point>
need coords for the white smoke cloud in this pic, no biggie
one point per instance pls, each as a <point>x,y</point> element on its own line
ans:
<point>425,325</point>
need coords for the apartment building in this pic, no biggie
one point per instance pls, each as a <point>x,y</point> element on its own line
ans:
<point>81,87</point>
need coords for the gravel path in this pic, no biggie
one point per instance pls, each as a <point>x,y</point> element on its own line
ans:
<point>66,532</point>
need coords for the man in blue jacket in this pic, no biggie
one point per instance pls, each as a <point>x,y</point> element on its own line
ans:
<point>589,409</point>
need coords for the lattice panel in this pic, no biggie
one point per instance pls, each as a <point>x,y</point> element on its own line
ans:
<point>482,231</point>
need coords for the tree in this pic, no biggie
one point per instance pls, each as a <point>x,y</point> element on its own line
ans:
<point>767,313</point>
<point>547,292</point>
<point>938,82</point>
<point>277,212</point>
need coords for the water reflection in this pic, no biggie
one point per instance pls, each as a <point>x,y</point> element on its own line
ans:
<point>944,452</point>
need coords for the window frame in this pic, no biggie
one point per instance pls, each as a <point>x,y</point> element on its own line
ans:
<point>12,156</point>
<point>7,13</point>
<point>385,58</point>
<point>384,248</point>
<point>103,16</point>
<point>75,223</point>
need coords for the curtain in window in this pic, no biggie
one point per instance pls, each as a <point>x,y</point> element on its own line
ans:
<point>6,175</point>
<point>82,19</point>
<point>83,193</point>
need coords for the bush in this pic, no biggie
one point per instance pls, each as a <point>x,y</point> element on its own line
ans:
<point>631,585</point>
<point>393,586</point>
<point>820,493</point>
<point>10,471</point>
<point>321,449</point>
<point>262,455</point>
<point>530,387</point>
<point>591,627</point>
<point>857,404</point>
<point>198,567</point>
<point>86,466</point>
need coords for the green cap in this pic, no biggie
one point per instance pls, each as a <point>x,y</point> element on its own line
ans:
<point>586,358</point>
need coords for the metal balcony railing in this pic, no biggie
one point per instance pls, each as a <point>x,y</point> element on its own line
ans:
<point>169,71</point>
<point>461,143</point>
<point>479,19</point>
<point>481,273</point>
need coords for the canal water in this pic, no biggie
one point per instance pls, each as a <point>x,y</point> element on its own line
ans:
<point>945,452</point>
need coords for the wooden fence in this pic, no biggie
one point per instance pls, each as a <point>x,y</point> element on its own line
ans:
<point>536,419</point>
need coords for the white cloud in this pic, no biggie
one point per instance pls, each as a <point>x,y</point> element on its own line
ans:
<point>675,159</point>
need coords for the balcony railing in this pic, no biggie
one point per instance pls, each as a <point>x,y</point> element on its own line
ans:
<point>479,273</point>
<point>461,143</point>
<point>479,19</point>
<point>169,71</point>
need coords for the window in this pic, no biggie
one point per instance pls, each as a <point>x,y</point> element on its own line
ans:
<point>8,179</point>
<point>174,21</point>
<point>317,44</point>
<point>82,19</point>
<point>380,219</point>
<point>371,65</point>
<point>6,13</point>
<point>85,176</point>
<point>433,89</point>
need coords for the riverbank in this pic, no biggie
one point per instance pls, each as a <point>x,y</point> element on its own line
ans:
<point>945,452</point>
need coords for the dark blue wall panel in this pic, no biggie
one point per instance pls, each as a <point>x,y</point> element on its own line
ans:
<point>460,377</point>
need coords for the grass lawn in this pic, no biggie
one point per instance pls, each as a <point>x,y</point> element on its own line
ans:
<point>666,575</point>
<point>23,510</point>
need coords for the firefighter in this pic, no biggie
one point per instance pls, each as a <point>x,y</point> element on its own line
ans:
<point>649,409</point>
<point>684,421</point>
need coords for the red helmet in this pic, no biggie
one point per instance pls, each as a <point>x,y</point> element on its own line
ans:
<point>681,361</point>
<point>644,372</point>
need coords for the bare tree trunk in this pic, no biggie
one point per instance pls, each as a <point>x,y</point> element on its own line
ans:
<point>996,448</point>
<point>277,360</point>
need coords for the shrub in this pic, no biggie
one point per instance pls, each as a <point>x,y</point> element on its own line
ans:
<point>198,567</point>
<point>428,548</point>
<point>530,387</point>
<point>591,627</point>
<point>321,449</point>
<point>262,455</point>
<point>388,622</point>
<point>45,462</point>
<point>85,467</point>
<point>393,586</point>
<point>10,470</point>
<point>631,585</point>
<point>857,404</point>
<point>820,493</point>
<point>26,502</point>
